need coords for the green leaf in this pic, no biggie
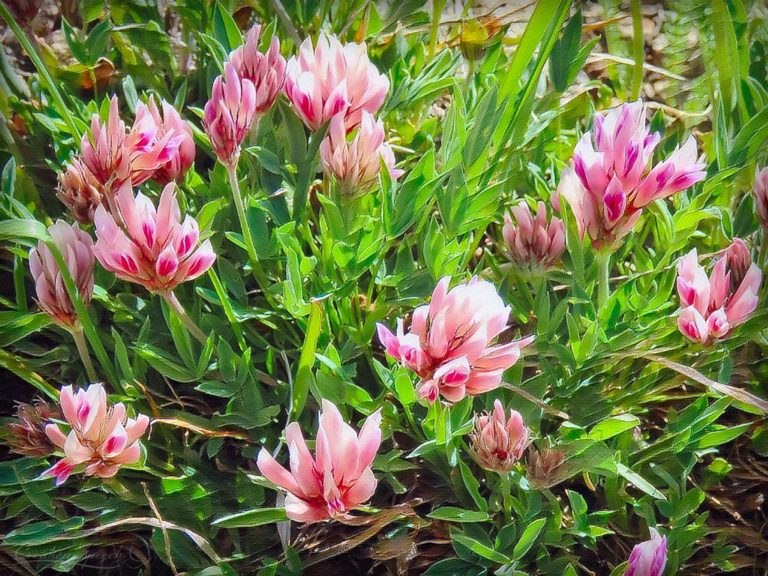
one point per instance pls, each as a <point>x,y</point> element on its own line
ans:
<point>307,358</point>
<point>613,426</point>
<point>528,538</point>
<point>478,548</point>
<point>251,518</point>
<point>451,514</point>
<point>225,28</point>
<point>639,482</point>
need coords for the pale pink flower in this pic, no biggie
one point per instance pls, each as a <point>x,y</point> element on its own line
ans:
<point>170,122</point>
<point>229,114</point>
<point>115,156</point>
<point>532,241</point>
<point>713,306</point>
<point>80,191</point>
<point>497,442</point>
<point>450,341</point>
<point>612,180</point>
<point>338,479</point>
<point>761,195</point>
<point>101,437</point>
<point>648,558</point>
<point>355,163</point>
<point>266,71</point>
<point>332,78</point>
<point>150,247</point>
<point>76,247</point>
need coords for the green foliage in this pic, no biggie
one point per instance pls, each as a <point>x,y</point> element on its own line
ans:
<point>645,421</point>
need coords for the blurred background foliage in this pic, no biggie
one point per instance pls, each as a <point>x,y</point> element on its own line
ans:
<point>486,103</point>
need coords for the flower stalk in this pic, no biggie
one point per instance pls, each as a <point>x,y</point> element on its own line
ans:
<point>189,324</point>
<point>603,277</point>
<point>82,348</point>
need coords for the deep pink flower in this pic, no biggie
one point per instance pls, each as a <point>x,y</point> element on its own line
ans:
<point>497,442</point>
<point>170,122</point>
<point>77,249</point>
<point>648,558</point>
<point>611,179</point>
<point>355,163</point>
<point>713,306</point>
<point>332,78</point>
<point>761,194</point>
<point>229,114</point>
<point>265,71</point>
<point>338,479</point>
<point>532,241</point>
<point>115,156</point>
<point>449,344</point>
<point>150,247</point>
<point>101,437</point>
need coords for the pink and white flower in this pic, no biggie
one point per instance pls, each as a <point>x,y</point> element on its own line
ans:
<point>101,437</point>
<point>170,122</point>
<point>355,163</point>
<point>714,305</point>
<point>229,114</point>
<point>76,247</point>
<point>648,558</point>
<point>265,71</point>
<point>338,478</point>
<point>330,78</point>
<point>115,156</point>
<point>611,179</point>
<point>149,246</point>
<point>499,442</point>
<point>532,241</point>
<point>450,343</point>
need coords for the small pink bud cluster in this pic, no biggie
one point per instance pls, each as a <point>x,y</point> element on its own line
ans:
<point>156,147</point>
<point>76,247</point>
<point>338,478</point>
<point>713,306</point>
<point>499,442</point>
<point>612,179</point>
<point>450,341</point>
<point>532,241</point>
<point>101,437</point>
<point>251,82</point>
<point>149,246</point>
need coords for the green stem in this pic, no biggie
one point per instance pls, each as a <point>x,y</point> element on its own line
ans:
<point>189,324</point>
<point>256,269</point>
<point>603,277</point>
<point>506,493</point>
<point>25,42</point>
<point>638,49</point>
<point>82,349</point>
<point>437,9</point>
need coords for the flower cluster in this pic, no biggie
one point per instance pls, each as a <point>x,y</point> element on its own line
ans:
<point>612,179</point>
<point>76,247</point>
<point>713,306</point>
<point>330,79</point>
<point>101,437</point>
<point>497,442</point>
<point>251,82</point>
<point>532,241</point>
<point>449,344</point>
<point>355,163</point>
<point>338,479</point>
<point>156,146</point>
<point>149,246</point>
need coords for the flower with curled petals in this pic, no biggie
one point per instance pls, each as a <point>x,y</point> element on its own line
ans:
<point>338,478</point>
